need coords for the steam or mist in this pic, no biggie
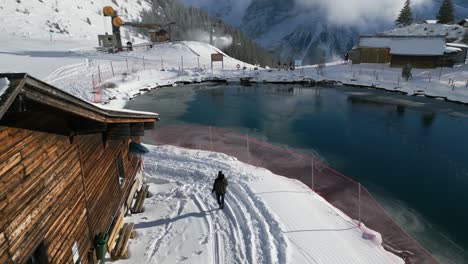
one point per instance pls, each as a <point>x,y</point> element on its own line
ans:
<point>360,12</point>
<point>219,41</point>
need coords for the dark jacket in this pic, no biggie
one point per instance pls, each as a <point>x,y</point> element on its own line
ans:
<point>220,185</point>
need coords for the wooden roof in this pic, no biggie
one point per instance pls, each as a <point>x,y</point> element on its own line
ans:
<point>28,99</point>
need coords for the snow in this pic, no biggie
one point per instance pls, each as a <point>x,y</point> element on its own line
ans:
<point>4,83</point>
<point>454,33</point>
<point>452,50</point>
<point>64,19</point>
<point>267,218</point>
<point>406,45</point>
<point>457,45</point>
<point>417,46</point>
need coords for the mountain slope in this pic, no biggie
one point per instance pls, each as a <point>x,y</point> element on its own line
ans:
<point>64,19</point>
<point>303,31</point>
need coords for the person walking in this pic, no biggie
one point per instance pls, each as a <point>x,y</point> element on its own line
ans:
<point>219,187</point>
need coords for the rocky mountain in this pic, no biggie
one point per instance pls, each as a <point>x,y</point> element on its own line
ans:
<point>308,31</point>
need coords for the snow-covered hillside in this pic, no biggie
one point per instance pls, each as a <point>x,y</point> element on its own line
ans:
<point>267,218</point>
<point>64,19</point>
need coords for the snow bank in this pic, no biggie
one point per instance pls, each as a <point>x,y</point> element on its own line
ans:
<point>4,83</point>
<point>267,218</point>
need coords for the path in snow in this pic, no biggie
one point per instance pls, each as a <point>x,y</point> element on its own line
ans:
<point>267,218</point>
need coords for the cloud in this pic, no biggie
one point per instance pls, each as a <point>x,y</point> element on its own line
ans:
<point>360,12</point>
<point>200,35</point>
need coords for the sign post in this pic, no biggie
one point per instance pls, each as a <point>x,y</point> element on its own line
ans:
<point>217,57</point>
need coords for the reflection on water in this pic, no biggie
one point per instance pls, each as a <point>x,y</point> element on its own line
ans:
<point>410,151</point>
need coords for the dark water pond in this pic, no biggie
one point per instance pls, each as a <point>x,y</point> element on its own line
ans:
<point>410,152</point>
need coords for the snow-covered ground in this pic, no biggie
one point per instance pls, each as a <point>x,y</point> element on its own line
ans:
<point>267,218</point>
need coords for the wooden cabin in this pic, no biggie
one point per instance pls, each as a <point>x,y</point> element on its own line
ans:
<point>464,23</point>
<point>160,35</point>
<point>65,171</point>
<point>419,51</point>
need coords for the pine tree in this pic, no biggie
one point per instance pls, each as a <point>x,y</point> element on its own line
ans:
<point>445,15</point>
<point>405,18</point>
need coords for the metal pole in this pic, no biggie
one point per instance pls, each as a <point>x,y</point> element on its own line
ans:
<point>126,61</point>
<point>144,66</point>
<point>112,67</point>
<point>99,73</point>
<point>198,61</point>
<point>162,66</point>
<point>359,204</point>
<point>182,62</point>
<point>211,140</point>
<point>248,148</point>
<point>312,172</point>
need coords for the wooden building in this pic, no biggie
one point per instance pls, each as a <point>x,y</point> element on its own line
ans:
<point>464,23</point>
<point>65,171</point>
<point>419,51</point>
<point>160,35</point>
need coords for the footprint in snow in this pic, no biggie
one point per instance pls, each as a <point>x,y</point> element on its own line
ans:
<point>204,240</point>
<point>198,252</point>
<point>183,258</point>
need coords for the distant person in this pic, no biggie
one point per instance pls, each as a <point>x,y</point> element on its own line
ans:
<point>346,58</point>
<point>219,187</point>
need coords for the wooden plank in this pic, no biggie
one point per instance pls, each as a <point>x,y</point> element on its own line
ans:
<point>130,234</point>
<point>114,232</point>
<point>120,241</point>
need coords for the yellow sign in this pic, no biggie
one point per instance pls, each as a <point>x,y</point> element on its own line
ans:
<point>117,21</point>
<point>108,11</point>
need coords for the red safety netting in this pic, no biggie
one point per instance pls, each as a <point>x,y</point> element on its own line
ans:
<point>341,191</point>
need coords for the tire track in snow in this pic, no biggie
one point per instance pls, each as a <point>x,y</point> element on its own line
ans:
<point>229,247</point>
<point>159,239</point>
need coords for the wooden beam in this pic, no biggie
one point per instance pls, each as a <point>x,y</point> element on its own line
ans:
<point>117,131</point>
<point>137,129</point>
<point>149,125</point>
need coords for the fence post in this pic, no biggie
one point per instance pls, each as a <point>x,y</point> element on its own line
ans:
<point>162,64</point>
<point>248,148</point>
<point>126,62</point>
<point>144,66</point>
<point>99,73</point>
<point>211,140</point>
<point>182,62</point>
<point>359,203</point>
<point>312,172</point>
<point>112,68</point>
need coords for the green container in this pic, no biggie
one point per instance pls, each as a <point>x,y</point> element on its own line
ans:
<point>100,243</point>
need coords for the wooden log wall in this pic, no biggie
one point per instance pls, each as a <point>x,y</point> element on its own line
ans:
<point>43,198</point>
<point>105,193</point>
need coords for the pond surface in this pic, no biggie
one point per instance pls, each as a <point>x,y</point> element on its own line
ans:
<point>410,152</point>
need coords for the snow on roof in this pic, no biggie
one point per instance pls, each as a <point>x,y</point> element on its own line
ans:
<point>452,50</point>
<point>430,21</point>
<point>406,45</point>
<point>124,110</point>
<point>451,32</point>
<point>4,83</point>
<point>458,45</point>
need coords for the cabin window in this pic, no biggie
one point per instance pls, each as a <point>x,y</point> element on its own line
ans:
<point>120,169</point>
<point>39,256</point>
